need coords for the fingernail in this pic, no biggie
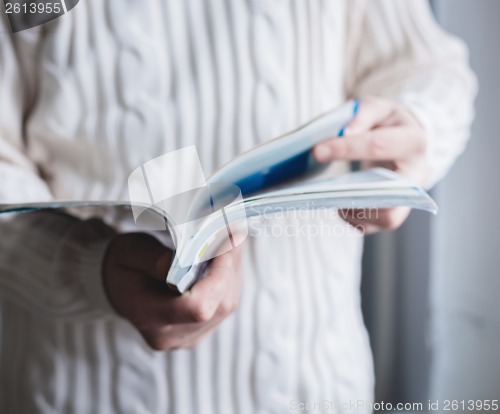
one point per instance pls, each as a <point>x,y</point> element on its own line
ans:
<point>322,153</point>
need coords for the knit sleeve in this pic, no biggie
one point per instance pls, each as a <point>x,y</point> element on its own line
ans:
<point>49,262</point>
<point>397,51</point>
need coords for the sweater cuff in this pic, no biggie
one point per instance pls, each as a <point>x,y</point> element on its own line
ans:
<point>88,244</point>
<point>421,113</point>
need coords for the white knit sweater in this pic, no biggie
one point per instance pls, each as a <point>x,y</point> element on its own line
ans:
<point>86,99</point>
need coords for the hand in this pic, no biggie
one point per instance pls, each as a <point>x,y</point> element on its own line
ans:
<point>135,269</point>
<point>382,134</point>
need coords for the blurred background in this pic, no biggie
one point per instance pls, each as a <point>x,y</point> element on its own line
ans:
<point>432,290</point>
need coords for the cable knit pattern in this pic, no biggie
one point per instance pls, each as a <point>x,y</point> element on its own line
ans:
<point>89,97</point>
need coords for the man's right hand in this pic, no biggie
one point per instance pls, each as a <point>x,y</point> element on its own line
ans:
<point>135,269</point>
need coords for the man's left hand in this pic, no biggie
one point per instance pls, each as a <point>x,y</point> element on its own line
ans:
<point>382,134</point>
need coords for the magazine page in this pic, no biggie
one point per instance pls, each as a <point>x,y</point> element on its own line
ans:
<point>375,188</point>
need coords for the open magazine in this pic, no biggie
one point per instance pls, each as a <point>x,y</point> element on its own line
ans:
<point>277,175</point>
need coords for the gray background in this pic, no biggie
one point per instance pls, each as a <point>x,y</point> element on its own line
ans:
<point>432,290</point>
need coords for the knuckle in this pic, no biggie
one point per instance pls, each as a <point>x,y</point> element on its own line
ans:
<point>376,147</point>
<point>217,282</point>
<point>201,312</point>
<point>342,149</point>
<point>345,149</point>
<point>228,307</point>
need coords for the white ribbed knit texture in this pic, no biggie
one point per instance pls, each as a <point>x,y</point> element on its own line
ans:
<point>86,99</point>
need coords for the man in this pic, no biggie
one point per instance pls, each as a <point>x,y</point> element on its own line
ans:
<point>88,98</point>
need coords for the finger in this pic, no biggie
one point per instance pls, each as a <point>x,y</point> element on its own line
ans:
<point>230,301</point>
<point>383,144</point>
<point>220,283</point>
<point>178,336</point>
<point>200,304</point>
<point>360,219</point>
<point>226,269</point>
<point>372,112</point>
<point>186,335</point>
<point>156,306</point>
<point>148,303</point>
<point>143,253</point>
<point>371,220</point>
<point>171,337</point>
